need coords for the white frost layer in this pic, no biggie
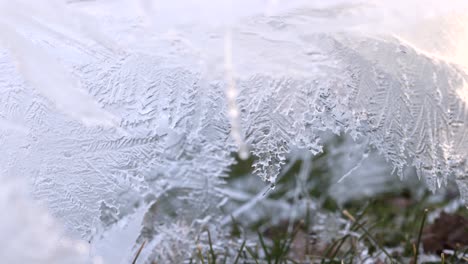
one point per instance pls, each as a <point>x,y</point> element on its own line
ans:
<point>111,106</point>
<point>29,234</point>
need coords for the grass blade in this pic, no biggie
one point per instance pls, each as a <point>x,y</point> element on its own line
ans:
<point>366,232</point>
<point>239,253</point>
<point>264,247</point>
<point>212,253</point>
<point>252,255</point>
<point>416,254</point>
<point>138,252</point>
<point>200,255</point>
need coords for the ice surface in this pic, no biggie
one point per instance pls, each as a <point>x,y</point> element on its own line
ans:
<point>30,234</point>
<point>108,107</point>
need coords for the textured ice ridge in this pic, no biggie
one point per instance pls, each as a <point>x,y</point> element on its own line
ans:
<point>105,121</point>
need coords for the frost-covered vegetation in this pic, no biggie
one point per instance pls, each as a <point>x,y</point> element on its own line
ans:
<point>121,121</point>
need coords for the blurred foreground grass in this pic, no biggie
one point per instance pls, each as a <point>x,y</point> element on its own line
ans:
<point>398,226</point>
<point>393,228</point>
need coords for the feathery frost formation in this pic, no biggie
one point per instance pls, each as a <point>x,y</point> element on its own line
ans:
<point>119,113</point>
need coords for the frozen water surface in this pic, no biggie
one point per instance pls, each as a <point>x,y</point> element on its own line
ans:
<point>122,115</point>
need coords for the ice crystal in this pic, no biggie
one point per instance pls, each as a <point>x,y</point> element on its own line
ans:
<point>110,107</point>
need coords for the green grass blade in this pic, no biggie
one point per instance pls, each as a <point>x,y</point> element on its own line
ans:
<point>239,253</point>
<point>252,255</point>
<point>416,255</point>
<point>212,253</point>
<point>264,247</point>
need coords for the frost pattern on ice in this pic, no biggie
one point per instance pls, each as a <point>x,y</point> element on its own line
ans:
<point>168,138</point>
<point>88,174</point>
<point>377,90</point>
